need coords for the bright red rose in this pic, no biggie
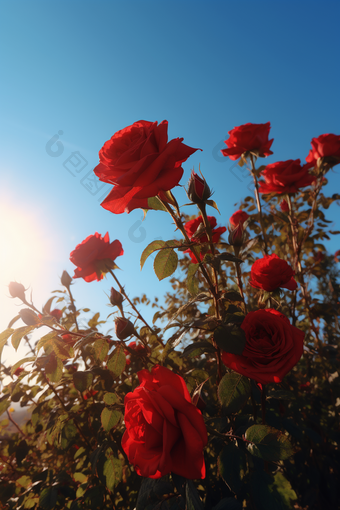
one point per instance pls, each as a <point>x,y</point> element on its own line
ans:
<point>286,177</point>
<point>92,254</point>
<point>191,229</point>
<point>140,162</point>
<point>273,347</point>
<point>238,217</point>
<point>270,273</point>
<point>165,432</point>
<point>325,146</point>
<point>57,314</point>
<point>248,138</point>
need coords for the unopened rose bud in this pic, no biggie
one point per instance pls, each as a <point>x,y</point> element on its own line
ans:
<point>198,401</point>
<point>284,206</point>
<point>29,317</point>
<point>235,237</point>
<point>198,190</point>
<point>116,298</point>
<point>124,328</point>
<point>17,290</point>
<point>66,279</point>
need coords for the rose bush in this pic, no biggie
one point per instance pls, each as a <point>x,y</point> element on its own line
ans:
<point>273,347</point>
<point>93,255</point>
<point>285,177</point>
<point>270,273</point>
<point>248,138</point>
<point>165,432</point>
<point>140,162</point>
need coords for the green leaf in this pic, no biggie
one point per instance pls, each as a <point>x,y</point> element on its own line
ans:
<point>47,306</point>
<point>54,368</point>
<point>82,380</point>
<point>110,398</point>
<point>155,204</point>
<point>234,391</point>
<point>197,348</point>
<point>230,338</point>
<point>232,296</point>
<point>79,477</point>
<point>230,257</point>
<point>21,362</point>
<point>61,348</point>
<point>154,246</point>
<point>101,348</point>
<point>192,280</point>
<point>46,339</point>
<point>165,263</point>
<point>79,453</point>
<point>4,404</point>
<point>268,443</point>
<point>112,470</point>
<point>117,362</point>
<point>48,498</point>
<point>4,337</point>
<point>110,418</point>
<point>151,492</point>
<point>232,466</point>
<point>270,492</point>
<point>19,333</point>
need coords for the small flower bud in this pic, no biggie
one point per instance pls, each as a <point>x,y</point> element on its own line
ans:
<point>66,279</point>
<point>17,290</point>
<point>235,237</point>
<point>284,206</point>
<point>29,317</point>
<point>18,371</point>
<point>116,298</point>
<point>56,313</point>
<point>198,190</point>
<point>124,328</point>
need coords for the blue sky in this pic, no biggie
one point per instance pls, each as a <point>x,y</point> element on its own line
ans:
<point>89,68</point>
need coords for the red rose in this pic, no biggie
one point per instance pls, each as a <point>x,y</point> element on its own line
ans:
<point>200,237</point>
<point>325,146</point>
<point>56,313</point>
<point>93,254</point>
<point>238,217</point>
<point>89,394</point>
<point>273,347</point>
<point>284,206</point>
<point>248,138</point>
<point>69,339</point>
<point>18,371</point>
<point>141,163</point>
<point>285,177</point>
<point>270,273</point>
<point>165,432</point>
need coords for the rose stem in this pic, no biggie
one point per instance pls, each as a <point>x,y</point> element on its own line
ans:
<point>15,423</point>
<point>122,291</point>
<point>212,247</point>
<point>258,203</point>
<point>263,404</point>
<point>240,285</point>
<point>73,308</point>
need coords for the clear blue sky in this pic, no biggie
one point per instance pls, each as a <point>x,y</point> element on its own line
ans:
<point>90,68</point>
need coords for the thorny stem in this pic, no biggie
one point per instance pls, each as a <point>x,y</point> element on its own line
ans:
<point>140,317</point>
<point>212,247</point>
<point>73,308</point>
<point>258,203</point>
<point>225,436</point>
<point>15,423</point>
<point>240,286</point>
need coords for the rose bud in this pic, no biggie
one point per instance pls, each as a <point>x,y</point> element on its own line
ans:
<point>198,190</point>
<point>17,290</point>
<point>235,237</point>
<point>124,328</point>
<point>66,279</point>
<point>116,298</point>
<point>56,313</point>
<point>284,206</point>
<point>29,317</point>
<point>18,371</point>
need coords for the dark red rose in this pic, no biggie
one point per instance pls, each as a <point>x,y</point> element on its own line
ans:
<point>17,290</point>
<point>325,146</point>
<point>140,162</point>
<point>270,273</point>
<point>200,237</point>
<point>284,206</point>
<point>165,432</point>
<point>273,347</point>
<point>93,254</point>
<point>57,314</point>
<point>18,371</point>
<point>198,190</point>
<point>248,138</point>
<point>124,328</point>
<point>89,393</point>
<point>285,177</point>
